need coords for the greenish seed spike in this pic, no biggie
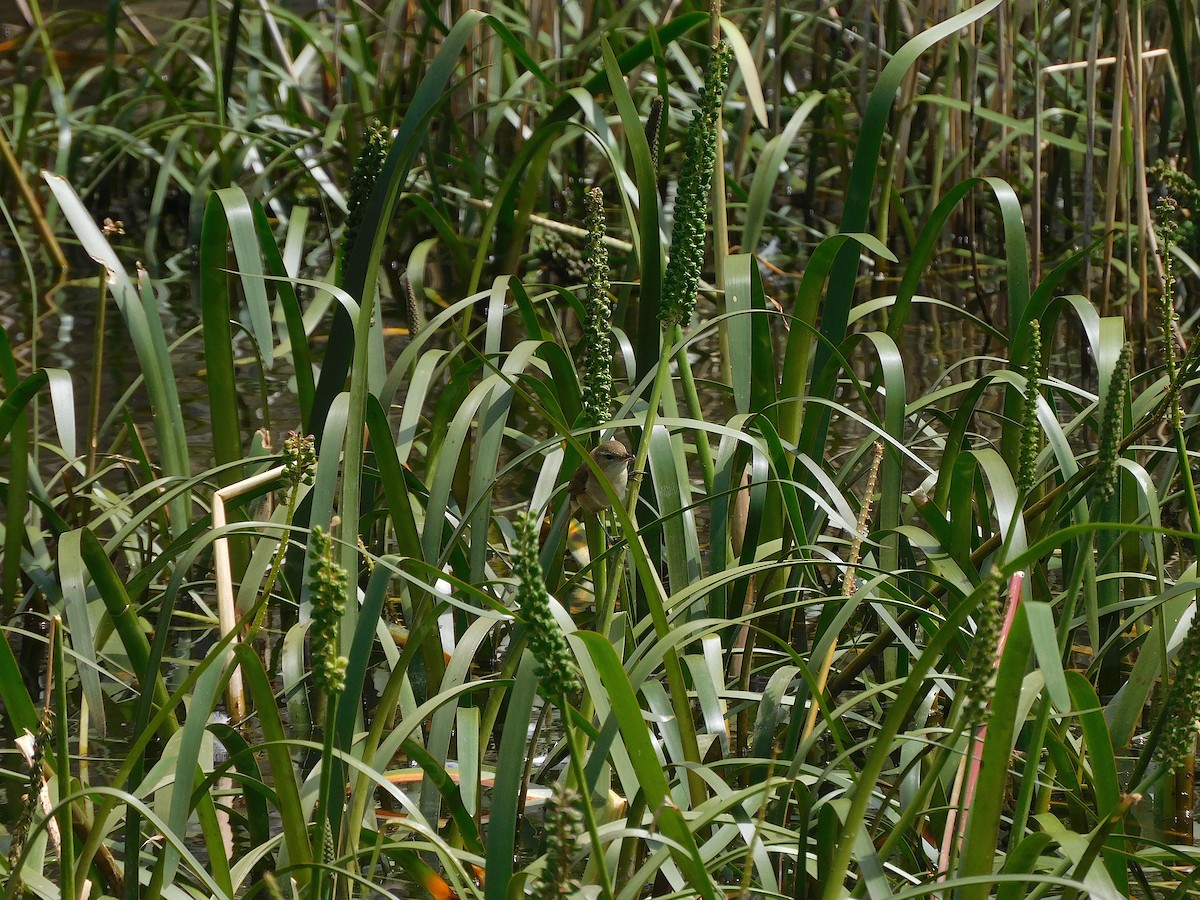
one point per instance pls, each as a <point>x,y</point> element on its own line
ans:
<point>564,827</point>
<point>555,662</point>
<point>682,278</point>
<point>1110,428</point>
<point>1179,735</point>
<point>597,377</point>
<point>328,584</point>
<point>1030,434</point>
<point>377,141</point>
<point>979,670</point>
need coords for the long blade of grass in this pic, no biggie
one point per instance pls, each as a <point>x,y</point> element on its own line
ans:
<point>72,577</point>
<point>1102,761</point>
<point>510,772</point>
<point>140,313</point>
<point>651,777</point>
<point>283,770</point>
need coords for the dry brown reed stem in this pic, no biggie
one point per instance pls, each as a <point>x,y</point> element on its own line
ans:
<point>226,607</point>
<point>31,202</point>
<point>864,516</point>
<point>561,227</point>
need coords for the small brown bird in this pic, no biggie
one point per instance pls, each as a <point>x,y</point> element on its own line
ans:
<point>587,492</point>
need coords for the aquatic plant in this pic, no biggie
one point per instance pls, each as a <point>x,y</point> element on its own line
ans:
<point>762,675</point>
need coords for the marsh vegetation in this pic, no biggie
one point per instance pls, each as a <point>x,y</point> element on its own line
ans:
<point>891,303</point>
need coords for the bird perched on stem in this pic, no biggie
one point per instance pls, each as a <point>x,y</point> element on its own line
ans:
<point>587,491</point>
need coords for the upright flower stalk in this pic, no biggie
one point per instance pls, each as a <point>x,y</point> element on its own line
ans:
<point>1167,228</point>
<point>1030,441</point>
<point>556,671</point>
<point>299,470</point>
<point>1178,742</point>
<point>680,283</point>
<point>979,668</point>
<point>376,143</point>
<point>558,677</point>
<point>564,826</point>
<point>36,746</point>
<point>682,278</point>
<point>597,342</point>
<point>1110,429</point>
<point>1178,745</point>
<point>328,584</point>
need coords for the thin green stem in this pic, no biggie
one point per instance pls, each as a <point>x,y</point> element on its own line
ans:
<point>324,800</point>
<point>589,811</point>
<point>276,562</point>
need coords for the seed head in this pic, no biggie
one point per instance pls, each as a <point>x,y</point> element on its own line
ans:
<point>328,584</point>
<point>1183,703</point>
<point>1030,435</point>
<point>682,277</point>
<point>299,459</point>
<point>547,643</point>
<point>1111,428</point>
<point>597,375</point>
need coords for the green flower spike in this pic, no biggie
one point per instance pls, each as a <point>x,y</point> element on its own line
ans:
<point>1030,436</point>
<point>1179,734</point>
<point>979,670</point>
<point>682,278</point>
<point>1110,428</point>
<point>33,787</point>
<point>377,141</point>
<point>328,584</point>
<point>564,827</point>
<point>1168,231</point>
<point>547,643</point>
<point>597,375</point>
<point>654,128</point>
<point>300,459</point>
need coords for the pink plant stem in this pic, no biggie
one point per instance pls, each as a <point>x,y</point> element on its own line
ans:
<point>952,837</point>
